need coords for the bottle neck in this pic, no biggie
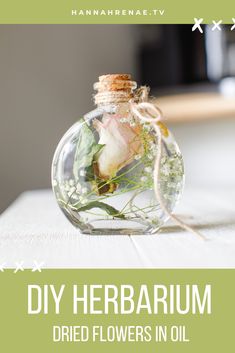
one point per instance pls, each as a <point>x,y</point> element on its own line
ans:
<point>112,98</point>
<point>114,89</point>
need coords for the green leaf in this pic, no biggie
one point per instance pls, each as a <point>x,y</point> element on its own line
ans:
<point>107,208</point>
<point>86,149</point>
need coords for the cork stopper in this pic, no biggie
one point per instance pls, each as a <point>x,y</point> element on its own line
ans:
<point>114,88</point>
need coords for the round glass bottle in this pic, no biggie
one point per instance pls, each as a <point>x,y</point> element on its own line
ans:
<point>102,171</point>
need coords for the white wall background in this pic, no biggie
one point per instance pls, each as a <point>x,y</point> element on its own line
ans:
<point>46,77</point>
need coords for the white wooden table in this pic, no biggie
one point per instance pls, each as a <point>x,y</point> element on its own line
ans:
<point>34,229</point>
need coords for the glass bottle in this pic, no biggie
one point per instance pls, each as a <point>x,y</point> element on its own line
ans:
<point>102,171</point>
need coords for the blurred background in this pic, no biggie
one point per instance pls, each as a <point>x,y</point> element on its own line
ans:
<point>46,78</point>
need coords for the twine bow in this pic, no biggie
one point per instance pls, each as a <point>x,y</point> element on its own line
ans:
<point>149,113</point>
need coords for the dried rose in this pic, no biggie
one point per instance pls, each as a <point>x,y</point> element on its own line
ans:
<point>121,143</point>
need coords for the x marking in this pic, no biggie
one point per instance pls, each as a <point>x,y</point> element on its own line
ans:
<point>197,25</point>
<point>217,25</point>
<point>233,27</point>
<point>2,267</point>
<point>37,266</point>
<point>19,267</point>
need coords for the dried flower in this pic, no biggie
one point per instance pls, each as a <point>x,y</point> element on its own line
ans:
<point>82,172</point>
<point>71,182</point>
<point>121,144</point>
<point>137,157</point>
<point>143,179</point>
<point>148,170</point>
<point>84,190</point>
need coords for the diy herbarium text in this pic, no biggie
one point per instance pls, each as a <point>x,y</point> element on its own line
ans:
<point>98,299</point>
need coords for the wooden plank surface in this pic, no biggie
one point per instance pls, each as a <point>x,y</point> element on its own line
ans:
<point>196,107</point>
<point>34,229</point>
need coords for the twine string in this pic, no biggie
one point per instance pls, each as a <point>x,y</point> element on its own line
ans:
<point>149,113</point>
